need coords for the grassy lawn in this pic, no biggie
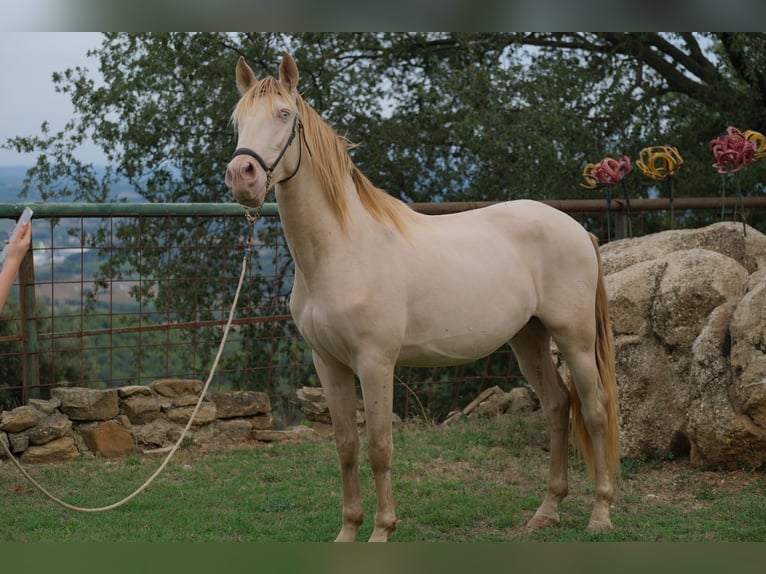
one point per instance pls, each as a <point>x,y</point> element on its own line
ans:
<point>479,481</point>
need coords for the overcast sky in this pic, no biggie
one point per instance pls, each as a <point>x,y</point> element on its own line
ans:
<point>27,95</point>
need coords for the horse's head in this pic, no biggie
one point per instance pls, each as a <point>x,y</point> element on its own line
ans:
<point>267,122</point>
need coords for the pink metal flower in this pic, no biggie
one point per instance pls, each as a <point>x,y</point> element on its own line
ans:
<point>610,171</point>
<point>732,151</point>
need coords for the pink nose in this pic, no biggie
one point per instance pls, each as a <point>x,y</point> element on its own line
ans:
<point>241,171</point>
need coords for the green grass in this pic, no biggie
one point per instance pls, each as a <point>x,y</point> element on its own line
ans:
<point>478,481</point>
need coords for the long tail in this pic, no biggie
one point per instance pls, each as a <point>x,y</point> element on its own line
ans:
<point>605,362</point>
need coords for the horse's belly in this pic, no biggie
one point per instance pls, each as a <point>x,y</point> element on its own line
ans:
<point>457,338</point>
<point>448,351</point>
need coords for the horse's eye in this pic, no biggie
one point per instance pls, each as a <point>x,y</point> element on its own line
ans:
<point>284,114</point>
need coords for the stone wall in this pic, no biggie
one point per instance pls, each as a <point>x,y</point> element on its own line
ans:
<point>114,422</point>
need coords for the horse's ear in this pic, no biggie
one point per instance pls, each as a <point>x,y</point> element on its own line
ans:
<point>245,76</point>
<point>288,72</point>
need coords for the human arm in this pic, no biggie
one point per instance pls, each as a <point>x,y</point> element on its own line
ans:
<point>15,254</point>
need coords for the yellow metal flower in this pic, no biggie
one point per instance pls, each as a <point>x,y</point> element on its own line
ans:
<point>659,162</point>
<point>760,142</point>
<point>589,180</point>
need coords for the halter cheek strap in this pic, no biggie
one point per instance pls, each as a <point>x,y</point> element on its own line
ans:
<point>269,169</point>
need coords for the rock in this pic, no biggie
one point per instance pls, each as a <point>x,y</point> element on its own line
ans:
<point>494,401</point>
<point>46,407</point>
<point>81,404</point>
<point>725,238</point>
<point>50,428</point>
<point>108,439</point>
<point>60,449</point>
<point>521,401</point>
<point>295,434</point>
<point>140,408</point>
<point>496,404</point>
<point>158,433</point>
<point>261,422</point>
<point>490,402</point>
<point>19,419</point>
<point>222,434</point>
<point>6,442</point>
<point>181,414</point>
<point>233,404</point>
<point>134,390</point>
<point>688,309</point>
<point>693,283</point>
<point>172,388</point>
<point>19,441</point>
<point>314,406</point>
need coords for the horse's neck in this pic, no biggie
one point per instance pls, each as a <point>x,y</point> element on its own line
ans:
<point>312,229</point>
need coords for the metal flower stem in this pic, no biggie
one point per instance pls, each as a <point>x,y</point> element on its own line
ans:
<point>669,184</point>
<point>608,212</point>
<point>723,195</point>
<point>739,205</point>
<point>627,207</point>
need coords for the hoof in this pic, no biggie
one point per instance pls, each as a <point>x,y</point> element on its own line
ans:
<point>539,521</point>
<point>346,535</point>
<point>599,527</point>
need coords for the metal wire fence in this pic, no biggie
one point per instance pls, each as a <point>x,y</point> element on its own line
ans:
<point>122,294</point>
<point>112,295</point>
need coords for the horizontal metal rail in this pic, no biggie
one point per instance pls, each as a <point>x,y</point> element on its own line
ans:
<point>12,210</point>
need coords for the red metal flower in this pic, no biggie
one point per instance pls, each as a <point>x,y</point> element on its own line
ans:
<point>732,151</point>
<point>607,172</point>
<point>610,171</point>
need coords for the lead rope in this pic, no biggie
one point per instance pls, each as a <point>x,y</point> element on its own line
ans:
<point>251,217</point>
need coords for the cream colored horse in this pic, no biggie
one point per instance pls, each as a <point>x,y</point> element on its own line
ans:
<point>379,285</point>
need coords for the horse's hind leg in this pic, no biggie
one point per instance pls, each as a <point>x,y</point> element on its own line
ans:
<point>340,392</point>
<point>579,356</point>
<point>532,348</point>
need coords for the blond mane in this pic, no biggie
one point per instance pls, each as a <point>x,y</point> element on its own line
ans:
<point>329,152</point>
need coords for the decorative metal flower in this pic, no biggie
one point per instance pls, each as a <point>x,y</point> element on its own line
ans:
<point>759,140</point>
<point>608,173</point>
<point>659,162</point>
<point>732,151</point>
<point>589,180</point>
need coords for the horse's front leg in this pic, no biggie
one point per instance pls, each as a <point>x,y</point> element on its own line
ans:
<point>377,389</point>
<point>340,393</point>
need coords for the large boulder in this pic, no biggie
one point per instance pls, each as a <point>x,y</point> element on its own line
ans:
<point>688,311</point>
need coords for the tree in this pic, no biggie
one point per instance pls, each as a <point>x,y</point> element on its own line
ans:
<point>438,116</point>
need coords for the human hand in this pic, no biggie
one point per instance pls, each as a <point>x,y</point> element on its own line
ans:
<point>20,243</point>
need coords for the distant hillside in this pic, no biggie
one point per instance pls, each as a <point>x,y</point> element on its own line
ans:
<point>12,181</point>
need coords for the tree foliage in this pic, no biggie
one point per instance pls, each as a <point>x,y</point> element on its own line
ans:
<point>437,116</point>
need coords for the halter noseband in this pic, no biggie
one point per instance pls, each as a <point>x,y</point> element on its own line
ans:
<point>269,169</point>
